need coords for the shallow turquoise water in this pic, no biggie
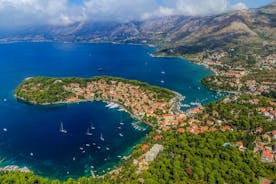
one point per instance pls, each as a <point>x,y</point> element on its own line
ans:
<point>35,130</point>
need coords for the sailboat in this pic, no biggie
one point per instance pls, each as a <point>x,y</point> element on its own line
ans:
<point>62,130</point>
<point>92,126</point>
<point>88,132</point>
<point>102,139</point>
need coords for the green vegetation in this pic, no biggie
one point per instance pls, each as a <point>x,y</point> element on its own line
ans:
<point>241,114</point>
<point>218,83</point>
<point>189,158</point>
<point>44,90</point>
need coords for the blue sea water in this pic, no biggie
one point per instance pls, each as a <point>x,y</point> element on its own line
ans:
<point>33,138</point>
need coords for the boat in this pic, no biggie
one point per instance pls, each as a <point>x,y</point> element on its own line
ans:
<point>99,147</point>
<point>122,123</point>
<point>107,148</point>
<point>81,148</point>
<point>162,81</point>
<point>87,145</point>
<point>112,105</point>
<point>102,139</point>
<point>74,158</point>
<point>31,154</point>
<point>163,72</point>
<point>88,132</point>
<point>121,135</point>
<point>62,130</point>
<point>119,128</point>
<point>94,144</point>
<point>5,129</point>
<point>137,126</point>
<point>92,126</point>
<point>185,105</point>
<point>5,100</point>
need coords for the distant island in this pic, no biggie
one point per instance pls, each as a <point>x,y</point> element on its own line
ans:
<point>141,100</point>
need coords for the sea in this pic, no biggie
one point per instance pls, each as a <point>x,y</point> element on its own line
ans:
<point>30,135</point>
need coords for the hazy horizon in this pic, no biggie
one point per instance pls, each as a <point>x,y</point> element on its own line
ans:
<point>18,13</point>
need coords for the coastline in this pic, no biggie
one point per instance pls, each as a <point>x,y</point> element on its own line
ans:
<point>177,104</point>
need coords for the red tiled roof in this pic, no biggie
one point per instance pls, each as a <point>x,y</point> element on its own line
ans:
<point>259,129</point>
<point>213,129</point>
<point>267,154</point>
<point>157,137</point>
<point>181,130</point>
<point>240,143</point>
<point>144,147</point>
<point>227,127</point>
<point>168,115</point>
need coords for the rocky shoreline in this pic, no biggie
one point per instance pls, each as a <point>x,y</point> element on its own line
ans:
<point>14,168</point>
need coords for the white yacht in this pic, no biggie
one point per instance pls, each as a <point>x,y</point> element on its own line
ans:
<point>88,132</point>
<point>92,127</point>
<point>62,130</point>
<point>102,138</point>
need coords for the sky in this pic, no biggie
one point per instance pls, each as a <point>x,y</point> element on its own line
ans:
<point>14,13</point>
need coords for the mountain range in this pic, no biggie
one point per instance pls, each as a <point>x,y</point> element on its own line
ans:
<point>175,35</point>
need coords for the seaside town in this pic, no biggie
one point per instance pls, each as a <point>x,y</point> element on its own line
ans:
<point>150,104</point>
<point>162,111</point>
<point>239,77</point>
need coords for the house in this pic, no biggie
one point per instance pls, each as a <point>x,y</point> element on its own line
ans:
<point>204,129</point>
<point>210,122</point>
<point>273,135</point>
<point>267,156</point>
<point>153,152</point>
<point>144,147</point>
<point>239,144</point>
<point>215,113</point>
<point>181,130</point>
<point>259,130</point>
<point>157,137</point>
<point>168,117</point>
<point>196,110</point>
<point>225,128</point>
<point>213,129</point>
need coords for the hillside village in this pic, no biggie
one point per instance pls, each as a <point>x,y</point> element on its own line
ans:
<point>238,77</point>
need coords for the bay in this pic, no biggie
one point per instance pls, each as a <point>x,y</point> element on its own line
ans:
<point>33,138</point>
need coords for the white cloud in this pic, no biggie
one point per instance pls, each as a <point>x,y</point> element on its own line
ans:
<point>61,12</point>
<point>239,6</point>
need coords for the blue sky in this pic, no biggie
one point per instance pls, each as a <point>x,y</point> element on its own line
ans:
<point>249,3</point>
<point>253,3</point>
<point>64,12</point>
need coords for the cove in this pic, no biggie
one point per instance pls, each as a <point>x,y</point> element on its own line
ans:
<point>33,129</point>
